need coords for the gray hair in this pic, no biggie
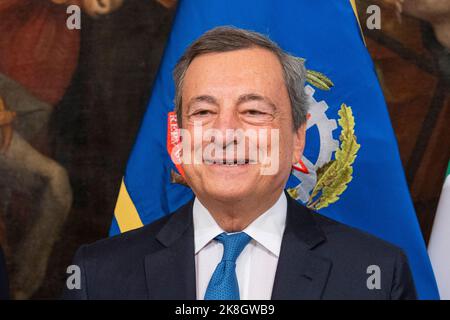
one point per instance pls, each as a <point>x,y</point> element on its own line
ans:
<point>224,39</point>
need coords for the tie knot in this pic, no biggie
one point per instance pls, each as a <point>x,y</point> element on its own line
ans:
<point>233,244</point>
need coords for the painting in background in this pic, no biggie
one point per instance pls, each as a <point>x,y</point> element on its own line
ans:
<point>412,57</point>
<point>70,104</point>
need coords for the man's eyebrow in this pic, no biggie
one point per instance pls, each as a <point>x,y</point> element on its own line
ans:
<point>256,97</point>
<point>203,98</point>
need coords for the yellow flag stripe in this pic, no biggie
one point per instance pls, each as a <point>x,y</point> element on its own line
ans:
<point>125,212</point>
<point>355,11</point>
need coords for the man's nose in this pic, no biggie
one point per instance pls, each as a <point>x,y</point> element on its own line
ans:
<point>227,123</point>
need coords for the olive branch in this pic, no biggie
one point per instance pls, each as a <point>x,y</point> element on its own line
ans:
<point>334,176</point>
<point>317,79</point>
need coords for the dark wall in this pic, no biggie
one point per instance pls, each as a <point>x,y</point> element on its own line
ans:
<point>94,127</point>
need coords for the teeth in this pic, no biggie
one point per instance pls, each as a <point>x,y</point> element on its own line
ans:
<point>229,163</point>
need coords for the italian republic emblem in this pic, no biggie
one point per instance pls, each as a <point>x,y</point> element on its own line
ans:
<point>323,182</point>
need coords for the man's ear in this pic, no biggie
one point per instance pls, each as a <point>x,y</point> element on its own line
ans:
<point>299,143</point>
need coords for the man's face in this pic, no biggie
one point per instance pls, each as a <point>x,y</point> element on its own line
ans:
<point>242,89</point>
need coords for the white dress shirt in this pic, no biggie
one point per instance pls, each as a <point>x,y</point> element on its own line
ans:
<point>256,265</point>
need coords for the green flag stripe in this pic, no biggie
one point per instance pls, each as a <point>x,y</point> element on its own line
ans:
<point>448,170</point>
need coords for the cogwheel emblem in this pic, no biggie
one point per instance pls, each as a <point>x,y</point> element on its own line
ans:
<point>322,182</point>
<point>325,126</point>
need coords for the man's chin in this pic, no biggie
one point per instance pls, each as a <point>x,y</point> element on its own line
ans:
<point>229,195</point>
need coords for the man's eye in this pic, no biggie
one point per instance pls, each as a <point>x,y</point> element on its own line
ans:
<point>254,112</point>
<point>202,113</point>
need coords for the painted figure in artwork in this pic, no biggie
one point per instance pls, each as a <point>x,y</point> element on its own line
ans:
<point>38,56</point>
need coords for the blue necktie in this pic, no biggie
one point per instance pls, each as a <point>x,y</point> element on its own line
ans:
<point>223,284</point>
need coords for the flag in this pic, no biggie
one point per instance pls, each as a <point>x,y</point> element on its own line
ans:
<point>439,244</point>
<point>327,35</point>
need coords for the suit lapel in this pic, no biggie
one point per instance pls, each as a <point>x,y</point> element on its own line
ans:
<point>170,272</point>
<point>301,273</point>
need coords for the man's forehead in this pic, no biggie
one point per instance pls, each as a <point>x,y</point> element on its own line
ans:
<point>237,61</point>
<point>253,66</point>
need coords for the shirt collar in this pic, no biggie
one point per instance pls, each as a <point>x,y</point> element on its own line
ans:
<point>267,229</point>
<point>205,227</point>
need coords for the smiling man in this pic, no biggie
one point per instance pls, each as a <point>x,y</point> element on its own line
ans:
<point>242,236</point>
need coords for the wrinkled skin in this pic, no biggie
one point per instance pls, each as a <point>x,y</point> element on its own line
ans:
<point>241,89</point>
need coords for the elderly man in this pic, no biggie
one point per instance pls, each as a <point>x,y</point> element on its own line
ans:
<point>242,236</point>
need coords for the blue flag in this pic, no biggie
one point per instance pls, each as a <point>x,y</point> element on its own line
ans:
<point>327,35</point>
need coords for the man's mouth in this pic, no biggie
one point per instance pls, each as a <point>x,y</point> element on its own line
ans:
<point>229,162</point>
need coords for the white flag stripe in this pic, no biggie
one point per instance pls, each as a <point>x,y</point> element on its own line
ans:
<point>439,244</point>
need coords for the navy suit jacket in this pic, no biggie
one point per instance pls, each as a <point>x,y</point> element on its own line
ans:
<point>319,259</point>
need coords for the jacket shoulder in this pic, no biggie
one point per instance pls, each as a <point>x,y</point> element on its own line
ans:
<point>141,239</point>
<point>105,264</point>
<point>356,255</point>
<point>356,239</point>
